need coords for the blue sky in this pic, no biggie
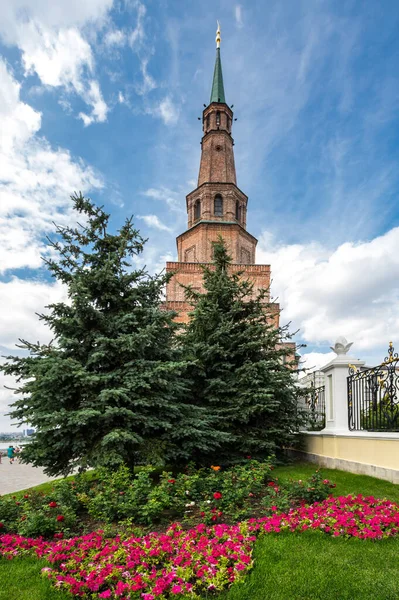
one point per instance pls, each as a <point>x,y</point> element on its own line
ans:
<point>103,96</point>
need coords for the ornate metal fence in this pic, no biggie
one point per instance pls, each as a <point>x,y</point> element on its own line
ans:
<point>315,407</point>
<point>373,396</point>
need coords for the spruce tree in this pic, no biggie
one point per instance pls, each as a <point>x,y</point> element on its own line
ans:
<point>241,371</point>
<point>109,387</point>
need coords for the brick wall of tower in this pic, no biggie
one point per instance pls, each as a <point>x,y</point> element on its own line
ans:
<point>196,244</point>
<point>217,159</point>
<point>190,274</point>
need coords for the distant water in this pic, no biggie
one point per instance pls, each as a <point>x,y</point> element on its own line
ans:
<point>5,445</point>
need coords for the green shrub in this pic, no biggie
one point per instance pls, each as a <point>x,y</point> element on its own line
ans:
<point>292,493</point>
<point>116,499</point>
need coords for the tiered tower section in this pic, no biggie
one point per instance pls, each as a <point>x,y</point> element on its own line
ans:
<point>217,207</point>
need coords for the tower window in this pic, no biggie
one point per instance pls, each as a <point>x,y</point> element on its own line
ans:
<point>217,118</point>
<point>207,122</point>
<point>238,211</point>
<point>218,206</point>
<point>197,210</point>
<point>228,123</point>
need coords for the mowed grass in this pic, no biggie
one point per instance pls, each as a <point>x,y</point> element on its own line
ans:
<point>347,483</point>
<point>306,566</point>
<point>20,579</point>
<point>313,566</point>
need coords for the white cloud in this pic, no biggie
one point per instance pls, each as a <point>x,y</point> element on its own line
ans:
<point>165,110</point>
<point>20,301</point>
<point>172,198</point>
<point>137,36</point>
<point>351,290</point>
<point>35,180</point>
<point>312,361</point>
<point>100,109</point>
<point>153,221</point>
<point>115,37</point>
<point>168,111</point>
<point>53,46</point>
<point>58,58</point>
<point>148,84</point>
<point>238,15</point>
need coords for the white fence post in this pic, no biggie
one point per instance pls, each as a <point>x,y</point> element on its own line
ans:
<point>336,388</point>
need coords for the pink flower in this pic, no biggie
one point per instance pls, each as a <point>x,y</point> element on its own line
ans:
<point>106,594</point>
<point>176,589</point>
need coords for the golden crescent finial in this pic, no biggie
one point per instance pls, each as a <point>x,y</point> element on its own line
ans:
<point>218,38</point>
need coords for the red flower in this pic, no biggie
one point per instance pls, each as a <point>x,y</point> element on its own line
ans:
<point>52,504</point>
<point>26,495</point>
<point>326,481</point>
<point>60,518</point>
<point>121,493</point>
<point>59,536</point>
<point>214,518</point>
<point>1,525</point>
<point>171,480</point>
<point>202,514</point>
<point>271,484</point>
<point>217,495</point>
<point>249,457</point>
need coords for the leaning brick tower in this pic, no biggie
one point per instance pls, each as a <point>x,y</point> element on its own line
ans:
<point>217,207</point>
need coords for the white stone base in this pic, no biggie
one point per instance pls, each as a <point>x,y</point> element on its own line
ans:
<point>351,466</point>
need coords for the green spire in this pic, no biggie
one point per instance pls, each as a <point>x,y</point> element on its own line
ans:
<point>217,93</point>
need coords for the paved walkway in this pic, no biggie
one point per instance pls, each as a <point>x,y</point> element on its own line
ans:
<point>17,477</point>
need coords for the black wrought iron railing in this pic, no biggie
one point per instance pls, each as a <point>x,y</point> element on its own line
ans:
<point>315,407</point>
<point>373,396</point>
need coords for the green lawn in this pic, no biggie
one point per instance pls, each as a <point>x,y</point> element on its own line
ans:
<point>347,483</point>
<point>20,579</point>
<point>307,566</point>
<point>313,566</point>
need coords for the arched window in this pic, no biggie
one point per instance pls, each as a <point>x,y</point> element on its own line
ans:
<point>207,122</point>
<point>217,118</point>
<point>228,123</point>
<point>238,211</point>
<point>197,210</point>
<point>218,206</point>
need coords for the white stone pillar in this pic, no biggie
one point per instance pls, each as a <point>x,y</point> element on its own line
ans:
<point>336,392</point>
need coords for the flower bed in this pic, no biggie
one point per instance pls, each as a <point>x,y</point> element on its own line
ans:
<point>179,563</point>
<point>122,501</point>
<point>164,565</point>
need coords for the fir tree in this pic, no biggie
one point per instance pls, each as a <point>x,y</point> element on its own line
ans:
<point>110,384</point>
<point>240,369</point>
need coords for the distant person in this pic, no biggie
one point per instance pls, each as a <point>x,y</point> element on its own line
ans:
<point>11,454</point>
<point>18,454</point>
